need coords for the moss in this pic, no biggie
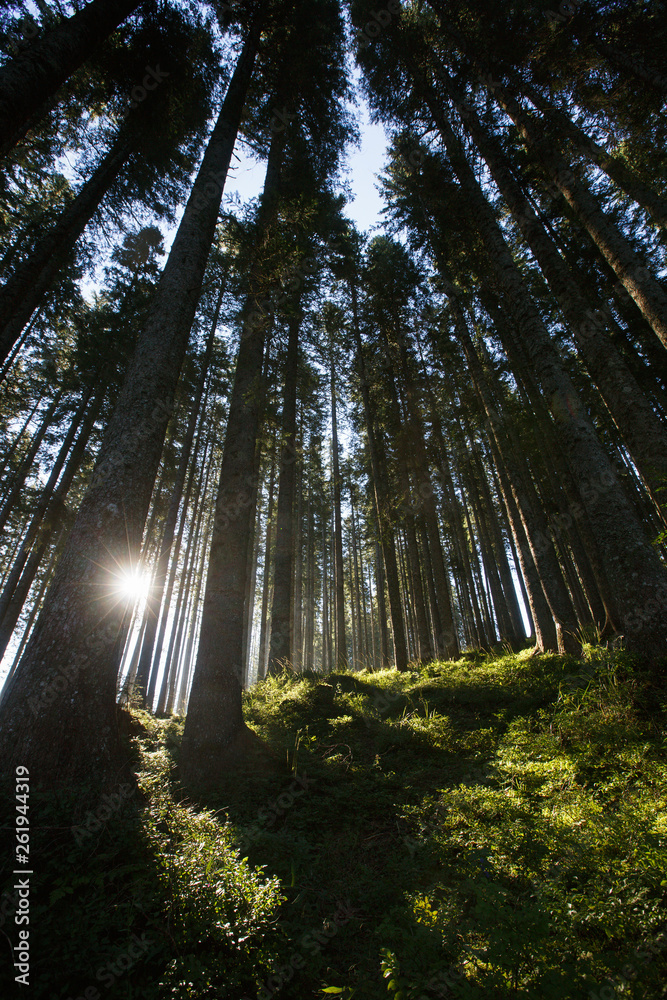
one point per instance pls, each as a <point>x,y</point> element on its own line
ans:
<point>494,826</point>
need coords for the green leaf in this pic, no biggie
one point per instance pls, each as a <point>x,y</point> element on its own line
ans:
<point>332,989</point>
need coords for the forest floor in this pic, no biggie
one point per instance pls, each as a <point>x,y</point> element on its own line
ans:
<point>494,827</point>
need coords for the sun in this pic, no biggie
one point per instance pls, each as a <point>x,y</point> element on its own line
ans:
<point>132,584</point>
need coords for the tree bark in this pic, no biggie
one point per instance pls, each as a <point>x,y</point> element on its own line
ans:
<point>215,708</point>
<point>281,650</point>
<point>636,575</point>
<point>266,580</point>
<point>382,503</point>
<point>447,644</point>
<point>156,593</point>
<point>327,664</point>
<point>26,288</point>
<point>298,630</point>
<point>382,608</point>
<point>339,582</point>
<point>67,677</point>
<point>633,414</point>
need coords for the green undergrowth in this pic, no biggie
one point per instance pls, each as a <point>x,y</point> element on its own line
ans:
<point>137,895</point>
<point>488,828</point>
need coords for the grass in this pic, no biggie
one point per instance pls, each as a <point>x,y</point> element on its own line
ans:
<point>494,827</point>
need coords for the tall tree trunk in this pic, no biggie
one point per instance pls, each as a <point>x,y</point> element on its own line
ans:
<point>544,627</point>
<point>198,470</point>
<point>253,539</point>
<point>17,348</point>
<point>382,608</point>
<point>37,603</point>
<point>26,288</point>
<point>497,543</point>
<point>447,641</point>
<point>358,588</point>
<point>178,705</point>
<point>635,417</point>
<point>641,285</point>
<point>341,639</point>
<point>354,610</point>
<point>281,650</point>
<point>31,78</point>
<point>636,575</point>
<point>156,593</point>
<point>564,492</point>
<point>382,502</point>
<point>18,478</point>
<point>561,126</point>
<point>407,601</point>
<point>193,487</point>
<point>424,641</point>
<point>452,509</point>
<point>423,645</point>
<point>45,518</point>
<point>327,664</point>
<point>374,654</point>
<point>297,650</point>
<point>250,596</point>
<point>309,636</point>
<point>215,710</point>
<point>74,644</point>
<point>528,505</point>
<point>182,601</point>
<point>488,559</point>
<point>18,438</point>
<point>266,580</point>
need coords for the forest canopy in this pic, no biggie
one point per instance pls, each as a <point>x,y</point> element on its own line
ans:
<point>277,442</point>
<point>333,569</point>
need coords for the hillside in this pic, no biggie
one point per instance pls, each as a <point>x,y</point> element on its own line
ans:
<point>491,827</point>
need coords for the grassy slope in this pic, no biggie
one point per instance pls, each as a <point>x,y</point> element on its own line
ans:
<point>487,828</point>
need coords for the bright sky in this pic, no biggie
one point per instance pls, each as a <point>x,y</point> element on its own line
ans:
<point>365,164</point>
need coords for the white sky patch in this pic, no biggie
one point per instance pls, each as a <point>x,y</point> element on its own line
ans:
<point>365,164</point>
